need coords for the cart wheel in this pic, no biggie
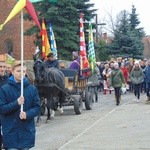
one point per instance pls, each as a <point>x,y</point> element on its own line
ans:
<point>88,100</point>
<point>78,104</point>
<point>43,108</point>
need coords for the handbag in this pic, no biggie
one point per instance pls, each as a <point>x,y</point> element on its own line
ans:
<point>123,89</point>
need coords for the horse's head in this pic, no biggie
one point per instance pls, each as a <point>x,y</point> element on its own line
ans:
<point>39,70</point>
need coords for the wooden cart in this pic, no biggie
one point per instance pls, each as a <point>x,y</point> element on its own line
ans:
<point>77,91</point>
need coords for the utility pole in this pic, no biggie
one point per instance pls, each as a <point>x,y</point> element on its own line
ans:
<point>97,24</point>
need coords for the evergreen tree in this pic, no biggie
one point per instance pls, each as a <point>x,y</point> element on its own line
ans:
<point>127,42</point>
<point>64,16</point>
<point>134,23</point>
<point>101,51</point>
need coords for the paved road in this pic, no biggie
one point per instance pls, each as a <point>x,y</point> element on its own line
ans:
<point>105,127</point>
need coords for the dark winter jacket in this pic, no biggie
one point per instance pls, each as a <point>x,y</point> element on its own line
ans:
<point>52,63</point>
<point>147,74</point>
<point>3,80</point>
<point>18,133</point>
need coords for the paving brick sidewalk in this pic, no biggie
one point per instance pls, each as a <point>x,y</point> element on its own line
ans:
<point>126,127</point>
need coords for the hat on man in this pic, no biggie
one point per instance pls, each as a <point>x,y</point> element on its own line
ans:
<point>9,59</point>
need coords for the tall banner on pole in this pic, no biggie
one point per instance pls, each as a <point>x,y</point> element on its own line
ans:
<point>83,56</point>
<point>45,42</point>
<point>53,42</point>
<point>91,51</point>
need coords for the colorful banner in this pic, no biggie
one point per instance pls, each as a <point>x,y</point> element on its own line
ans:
<point>45,42</point>
<point>91,51</point>
<point>18,7</point>
<point>30,9</point>
<point>83,58</point>
<point>53,42</point>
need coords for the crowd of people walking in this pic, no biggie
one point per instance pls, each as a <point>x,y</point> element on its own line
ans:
<point>133,75</point>
<point>114,75</point>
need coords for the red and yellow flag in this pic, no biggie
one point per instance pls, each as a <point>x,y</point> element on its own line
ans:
<point>45,42</point>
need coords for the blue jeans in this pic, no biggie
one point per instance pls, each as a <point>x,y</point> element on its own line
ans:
<point>18,149</point>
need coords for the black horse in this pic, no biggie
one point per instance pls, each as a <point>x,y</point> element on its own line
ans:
<point>51,84</point>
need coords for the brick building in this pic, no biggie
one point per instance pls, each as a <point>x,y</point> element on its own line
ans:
<point>146,41</point>
<point>10,35</point>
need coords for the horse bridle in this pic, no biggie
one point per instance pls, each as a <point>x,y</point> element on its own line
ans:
<point>42,73</point>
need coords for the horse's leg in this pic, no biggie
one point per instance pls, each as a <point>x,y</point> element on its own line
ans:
<point>48,109</point>
<point>52,107</point>
<point>39,115</point>
<point>61,100</point>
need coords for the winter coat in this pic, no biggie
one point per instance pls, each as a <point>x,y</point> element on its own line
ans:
<point>125,73</point>
<point>52,63</point>
<point>143,69</point>
<point>136,75</point>
<point>106,73</point>
<point>18,133</point>
<point>75,64</point>
<point>147,74</point>
<point>116,78</point>
<point>3,80</point>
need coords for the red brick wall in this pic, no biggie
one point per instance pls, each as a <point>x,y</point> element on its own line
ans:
<point>146,41</point>
<point>11,31</point>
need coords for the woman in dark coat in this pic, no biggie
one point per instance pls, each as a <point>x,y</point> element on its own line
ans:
<point>18,128</point>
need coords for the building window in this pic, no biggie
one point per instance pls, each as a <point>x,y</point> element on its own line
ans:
<point>9,46</point>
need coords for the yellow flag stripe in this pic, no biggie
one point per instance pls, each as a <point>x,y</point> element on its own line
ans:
<point>18,7</point>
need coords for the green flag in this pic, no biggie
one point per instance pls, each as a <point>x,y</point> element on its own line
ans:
<point>91,51</point>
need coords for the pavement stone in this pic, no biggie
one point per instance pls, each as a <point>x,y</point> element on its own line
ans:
<point>126,127</point>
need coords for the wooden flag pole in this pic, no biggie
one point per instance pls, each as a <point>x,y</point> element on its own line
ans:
<point>22,45</point>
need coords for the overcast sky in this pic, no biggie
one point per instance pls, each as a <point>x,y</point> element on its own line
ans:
<point>115,6</point>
